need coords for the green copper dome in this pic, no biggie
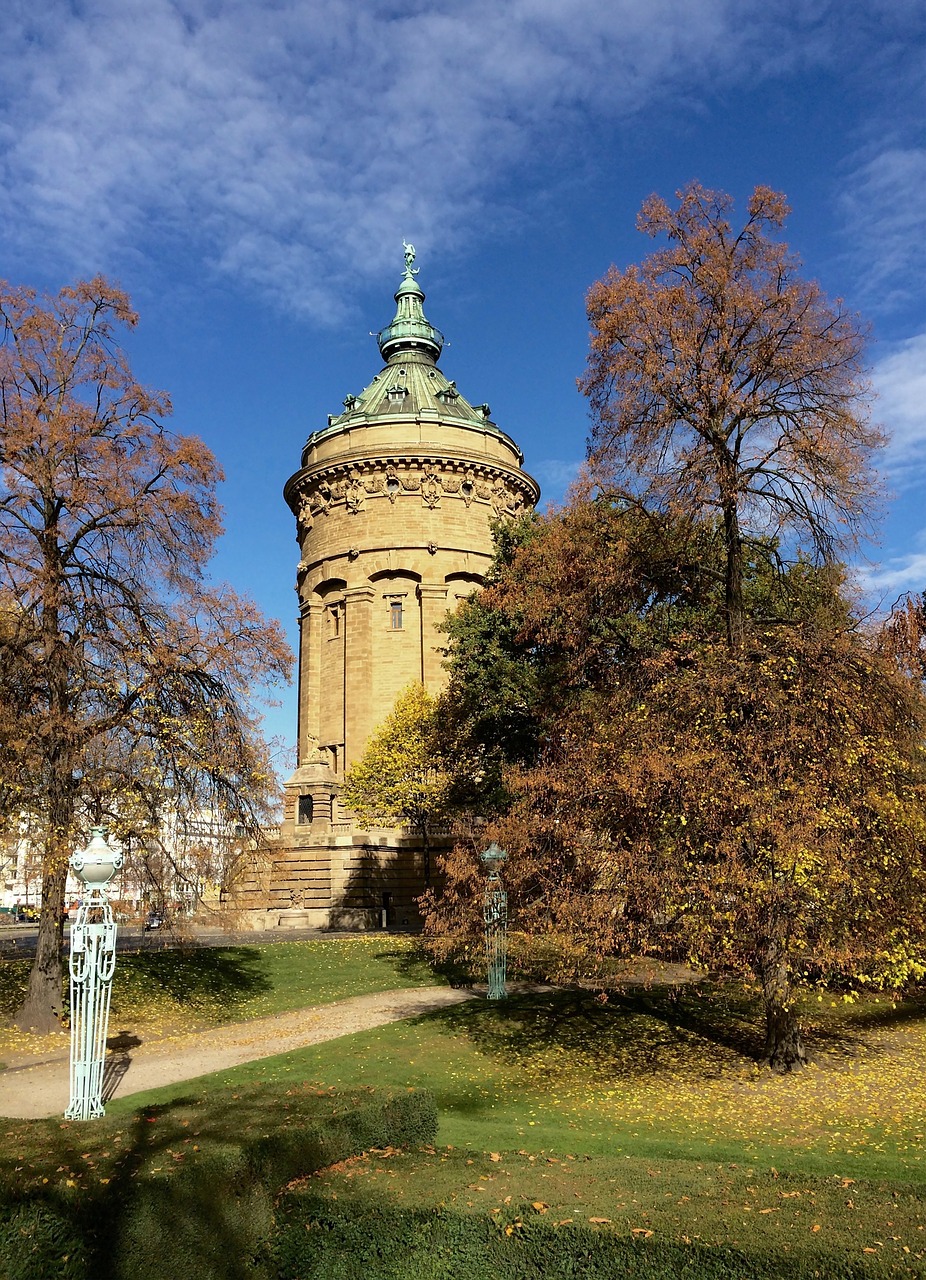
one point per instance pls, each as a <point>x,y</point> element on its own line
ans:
<point>411,386</point>
<point>410,330</point>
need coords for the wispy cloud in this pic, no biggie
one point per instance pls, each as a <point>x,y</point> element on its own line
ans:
<point>900,380</point>
<point>288,144</point>
<point>884,583</point>
<point>555,475</point>
<point>885,209</point>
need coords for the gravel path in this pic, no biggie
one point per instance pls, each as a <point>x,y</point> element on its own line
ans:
<point>35,1089</point>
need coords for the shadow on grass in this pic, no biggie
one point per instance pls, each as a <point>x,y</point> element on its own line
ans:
<point>213,978</point>
<point>631,1034</point>
<point>707,1029</point>
<point>415,963</point>
<point>372,1239</point>
<point>182,1189</point>
<point>14,974</point>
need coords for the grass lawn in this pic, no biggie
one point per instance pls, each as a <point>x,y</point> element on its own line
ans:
<point>159,993</point>
<point>644,1120</point>
<point>645,1115</point>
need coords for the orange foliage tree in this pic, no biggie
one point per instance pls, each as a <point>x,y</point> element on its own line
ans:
<point>722,383</point>
<point>759,813</point>
<point>134,672</point>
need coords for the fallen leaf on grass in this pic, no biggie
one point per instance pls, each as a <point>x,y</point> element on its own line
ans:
<point>641,1231</point>
<point>495,1155</point>
<point>539,1206</point>
<point>599,1221</point>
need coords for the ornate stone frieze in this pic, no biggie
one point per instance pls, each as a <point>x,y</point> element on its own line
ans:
<point>431,487</point>
<point>430,480</point>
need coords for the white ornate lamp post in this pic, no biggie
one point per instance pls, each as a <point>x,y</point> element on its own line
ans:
<point>93,959</point>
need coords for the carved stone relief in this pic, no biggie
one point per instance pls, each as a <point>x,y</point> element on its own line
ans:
<point>432,481</point>
<point>431,488</point>
<point>354,493</point>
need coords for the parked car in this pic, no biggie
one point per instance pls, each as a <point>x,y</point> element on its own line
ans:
<point>153,920</point>
<point>26,915</point>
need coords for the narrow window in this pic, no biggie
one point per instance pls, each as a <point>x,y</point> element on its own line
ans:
<point>395,615</point>
<point>305,809</point>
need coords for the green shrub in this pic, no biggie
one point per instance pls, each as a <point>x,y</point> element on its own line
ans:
<point>212,1219</point>
<point>209,1215</point>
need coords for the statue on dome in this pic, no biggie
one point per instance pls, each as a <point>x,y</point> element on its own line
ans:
<point>409,259</point>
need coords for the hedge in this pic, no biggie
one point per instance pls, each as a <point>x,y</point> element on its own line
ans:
<point>211,1218</point>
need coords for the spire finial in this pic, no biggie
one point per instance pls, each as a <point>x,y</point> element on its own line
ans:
<point>409,259</point>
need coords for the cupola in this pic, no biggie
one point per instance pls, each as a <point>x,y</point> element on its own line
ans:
<point>409,330</point>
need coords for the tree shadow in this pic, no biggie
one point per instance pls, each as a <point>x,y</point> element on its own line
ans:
<point>210,978</point>
<point>414,963</point>
<point>706,1029</point>
<point>180,1188</point>
<point>633,1033</point>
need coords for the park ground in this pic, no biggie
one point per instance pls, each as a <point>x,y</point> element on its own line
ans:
<point>646,1116</point>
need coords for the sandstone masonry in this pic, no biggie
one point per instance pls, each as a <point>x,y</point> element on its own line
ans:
<point>393,502</point>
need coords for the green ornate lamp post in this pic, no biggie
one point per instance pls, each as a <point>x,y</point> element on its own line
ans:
<point>93,959</point>
<point>495,914</point>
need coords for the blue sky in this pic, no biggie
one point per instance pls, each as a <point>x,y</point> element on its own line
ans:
<point>249,170</point>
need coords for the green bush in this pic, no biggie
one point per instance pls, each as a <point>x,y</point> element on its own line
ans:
<point>211,1215</point>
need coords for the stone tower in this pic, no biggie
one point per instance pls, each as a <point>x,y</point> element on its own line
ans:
<point>393,502</point>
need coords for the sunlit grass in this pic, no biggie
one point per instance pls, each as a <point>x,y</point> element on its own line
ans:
<point>165,992</point>
<point>560,1071</point>
<point>647,1113</point>
<point>650,1114</point>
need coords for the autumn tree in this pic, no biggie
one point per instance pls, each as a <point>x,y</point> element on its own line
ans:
<point>759,812</point>
<point>402,778</point>
<point>137,673</point>
<point>723,383</point>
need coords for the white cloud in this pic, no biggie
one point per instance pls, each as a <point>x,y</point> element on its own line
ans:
<point>899,378</point>
<point>882,584</point>
<point>885,208</point>
<point>290,143</point>
<point>555,475</point>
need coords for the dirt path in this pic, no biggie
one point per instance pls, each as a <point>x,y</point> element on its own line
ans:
<point>31,1090</point>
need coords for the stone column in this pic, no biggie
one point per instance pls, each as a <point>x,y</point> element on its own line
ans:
<point>360,715</point>
<point>433,599</point>
<point>310,620</point>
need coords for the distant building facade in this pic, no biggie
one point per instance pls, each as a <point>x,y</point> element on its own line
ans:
<point>393,502</point>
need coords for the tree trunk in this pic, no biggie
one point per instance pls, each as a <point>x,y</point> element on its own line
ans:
<point>43,1006</point>
<point>733,571</point>
<point>42,1009</point>
<point>784,1048</point>
<point>426,843</point>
